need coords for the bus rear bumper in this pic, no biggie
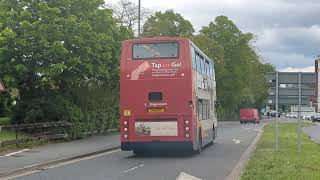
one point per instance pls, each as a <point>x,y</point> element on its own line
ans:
<point>128,146</point>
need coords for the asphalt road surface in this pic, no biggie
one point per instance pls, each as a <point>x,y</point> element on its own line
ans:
<point>215,162</point>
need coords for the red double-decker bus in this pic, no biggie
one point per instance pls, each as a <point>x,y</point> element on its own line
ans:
<point>167,95</point>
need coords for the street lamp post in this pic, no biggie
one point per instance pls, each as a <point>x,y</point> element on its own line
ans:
<point>139,16</point>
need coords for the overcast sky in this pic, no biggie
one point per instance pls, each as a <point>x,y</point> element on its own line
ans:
<point>288,31</point>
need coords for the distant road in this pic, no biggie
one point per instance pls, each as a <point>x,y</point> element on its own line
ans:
<point>215,162</point>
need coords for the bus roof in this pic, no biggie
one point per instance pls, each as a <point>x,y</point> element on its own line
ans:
<point>156,39</point>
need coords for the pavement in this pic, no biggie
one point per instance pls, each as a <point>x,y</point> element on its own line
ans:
<point>215,162</point>
<point>51,152</point>
<point>313,132</point>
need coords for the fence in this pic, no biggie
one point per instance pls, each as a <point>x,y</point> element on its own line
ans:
<point>41,131</point>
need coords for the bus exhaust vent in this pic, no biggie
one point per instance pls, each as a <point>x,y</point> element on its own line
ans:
<point>155,96</point>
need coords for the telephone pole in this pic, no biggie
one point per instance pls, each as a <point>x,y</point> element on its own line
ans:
<point>139,17</point>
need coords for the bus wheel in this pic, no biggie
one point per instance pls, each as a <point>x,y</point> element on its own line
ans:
<point>213,135</point>
<point>198,151</point>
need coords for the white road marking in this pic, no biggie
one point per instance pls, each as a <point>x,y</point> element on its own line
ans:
<point>17,152</point>
<point>185,176</point>
<point>31,165</point>
<point>57,165</point>
<point>236,141</point>
<point>81,159</point>
<point>141,165</point>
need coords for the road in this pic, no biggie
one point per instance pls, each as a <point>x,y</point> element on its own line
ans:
<point>313,132</point>
<point>215,162</point>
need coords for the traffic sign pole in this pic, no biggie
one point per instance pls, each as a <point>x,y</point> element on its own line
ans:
<point>299,116</point>
<point>276,119</point>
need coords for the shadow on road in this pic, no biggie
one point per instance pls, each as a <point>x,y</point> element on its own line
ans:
<point>173,153</point>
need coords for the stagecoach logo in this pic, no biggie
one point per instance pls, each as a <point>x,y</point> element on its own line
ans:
<point>167,65</point>
<point>155,104</point>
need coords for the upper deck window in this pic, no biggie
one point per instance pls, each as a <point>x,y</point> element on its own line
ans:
<point>160,50</point>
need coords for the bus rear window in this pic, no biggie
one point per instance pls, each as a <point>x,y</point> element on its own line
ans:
<point>160,50</point>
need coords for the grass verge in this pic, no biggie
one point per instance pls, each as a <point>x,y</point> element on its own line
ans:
<point>10,135</point>
<point>287,163</point>
<point>7,135</point>
<point>5,121</point>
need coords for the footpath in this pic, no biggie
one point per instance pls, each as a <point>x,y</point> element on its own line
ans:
<point>28,159</point>
<point>313,132</point>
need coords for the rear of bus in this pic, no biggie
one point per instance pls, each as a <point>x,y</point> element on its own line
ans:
<point>155,93</point>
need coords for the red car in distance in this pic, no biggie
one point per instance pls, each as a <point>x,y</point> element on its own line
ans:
<point>249,115</point>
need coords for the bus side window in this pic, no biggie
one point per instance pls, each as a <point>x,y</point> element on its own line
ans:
<point>213,75</point>
<point>198,61</point>
<point>200,109</point>
<point>205,67</point>
<point>193,58</point>
<point>207,109</point>
<point>204,109</point>
<point>202,65</point>
<point>211,71</point>
<point>208,68</point>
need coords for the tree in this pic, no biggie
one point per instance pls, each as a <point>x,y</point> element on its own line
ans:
<point>240,79</point>
<point>169,24</point>
<point>127,13</point>
<point>50,48</point>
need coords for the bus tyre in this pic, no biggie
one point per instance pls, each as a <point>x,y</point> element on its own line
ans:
<point>199,149</point>
<point>213,135</point>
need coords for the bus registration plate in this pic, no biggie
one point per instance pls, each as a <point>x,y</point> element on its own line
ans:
<point>156,110</point>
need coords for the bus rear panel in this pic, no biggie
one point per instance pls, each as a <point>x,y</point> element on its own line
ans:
<point>157,94</point>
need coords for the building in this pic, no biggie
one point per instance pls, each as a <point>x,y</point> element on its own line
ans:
<point>288,89</point>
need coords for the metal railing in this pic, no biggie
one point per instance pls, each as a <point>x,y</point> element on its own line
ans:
<point>35,132</point>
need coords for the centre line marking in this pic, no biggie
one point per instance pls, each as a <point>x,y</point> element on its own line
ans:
<point>141,165</point>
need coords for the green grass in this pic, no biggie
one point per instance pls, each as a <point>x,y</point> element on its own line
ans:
<point>5,121</point>
<point>7,135</point>
<point>287,163</point>
<point>10,135</point>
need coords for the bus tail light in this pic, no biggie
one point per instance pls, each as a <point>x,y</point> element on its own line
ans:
<point>186,122</point>
<point>187,128</point>
<point>125,128</point>
<point>187,135</point>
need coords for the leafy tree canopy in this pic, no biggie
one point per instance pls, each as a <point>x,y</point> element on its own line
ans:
<point>168,24</point>
<point>240,73</point>
<point>50,48</point>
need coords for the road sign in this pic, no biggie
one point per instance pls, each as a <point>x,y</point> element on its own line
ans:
<point>288,88</point>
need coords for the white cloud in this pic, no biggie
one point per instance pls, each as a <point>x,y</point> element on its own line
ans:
<point>284,59</point>
<point>288,31</point>
<point>302,69</point>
